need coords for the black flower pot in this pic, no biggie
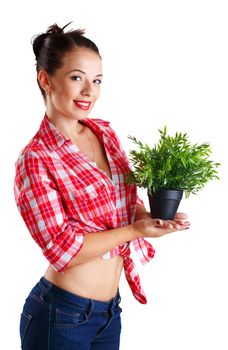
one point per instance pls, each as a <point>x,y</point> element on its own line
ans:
<point>164,203</point>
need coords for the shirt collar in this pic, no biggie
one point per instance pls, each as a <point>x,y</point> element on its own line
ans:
<point>51,136</point>
<point>98,126</point>
<point>54,139</point>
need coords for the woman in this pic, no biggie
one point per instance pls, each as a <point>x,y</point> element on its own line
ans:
<point>70,191</point>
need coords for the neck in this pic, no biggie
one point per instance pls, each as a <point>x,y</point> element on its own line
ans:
<point>70,128</point>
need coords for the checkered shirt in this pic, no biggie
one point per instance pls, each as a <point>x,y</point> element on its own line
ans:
<point>61,195</point>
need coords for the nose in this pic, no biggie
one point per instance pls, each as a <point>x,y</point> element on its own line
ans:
<point>87,89</point>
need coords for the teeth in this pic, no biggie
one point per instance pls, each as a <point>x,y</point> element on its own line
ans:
<point>84,103</point>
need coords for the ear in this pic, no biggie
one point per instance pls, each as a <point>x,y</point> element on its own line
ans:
<point>44,80</point>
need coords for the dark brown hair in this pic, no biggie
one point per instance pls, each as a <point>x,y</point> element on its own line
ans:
<point>50,47</point>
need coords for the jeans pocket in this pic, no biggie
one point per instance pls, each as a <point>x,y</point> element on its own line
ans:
<point>70,318</point>
<point>25,322</point>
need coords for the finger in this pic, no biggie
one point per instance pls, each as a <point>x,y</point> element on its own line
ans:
<point>165,231</point>
<point>162,231</point>
<point>176,225</point>
<point>157,222</point>
<point>182,222</point>
<point>169,224</point>
<point>166,224</point>
<point>180,216</point>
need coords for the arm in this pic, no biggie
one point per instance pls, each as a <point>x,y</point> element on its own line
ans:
<point>63,244</point>
<point>40,205</point>
<point>98,244</point>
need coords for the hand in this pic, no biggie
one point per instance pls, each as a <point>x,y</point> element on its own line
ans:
<point>141,212</point>
<point>148,227</point>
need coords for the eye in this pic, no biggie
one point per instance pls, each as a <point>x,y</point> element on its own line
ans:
<point>97,81</point>
<point>76,78</point>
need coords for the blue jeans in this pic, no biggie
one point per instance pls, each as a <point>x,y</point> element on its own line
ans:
<point>54,319</point>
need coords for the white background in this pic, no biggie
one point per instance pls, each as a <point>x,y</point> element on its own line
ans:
<point>165,62</point>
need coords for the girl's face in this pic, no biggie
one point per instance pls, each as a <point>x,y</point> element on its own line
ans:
<point>75,87</point>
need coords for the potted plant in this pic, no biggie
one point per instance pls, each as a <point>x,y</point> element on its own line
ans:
<point>170,168</point>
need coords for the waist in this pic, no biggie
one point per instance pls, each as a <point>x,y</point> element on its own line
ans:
<point>45,289</point>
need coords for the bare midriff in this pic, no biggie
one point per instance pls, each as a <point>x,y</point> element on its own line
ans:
<point>97,279</point>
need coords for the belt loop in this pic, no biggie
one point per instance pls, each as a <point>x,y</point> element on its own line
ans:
<point>118,299</point>
<point>90,308</point>
<point>45,289</point>
<point>112,307</point>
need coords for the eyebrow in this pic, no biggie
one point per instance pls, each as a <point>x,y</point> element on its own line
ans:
<point>81,71</point>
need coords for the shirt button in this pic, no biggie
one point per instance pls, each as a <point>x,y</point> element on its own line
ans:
<point>93,194</point>
<point>118,204</point>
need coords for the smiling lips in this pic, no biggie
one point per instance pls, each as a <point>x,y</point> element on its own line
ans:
<point>83,104</point>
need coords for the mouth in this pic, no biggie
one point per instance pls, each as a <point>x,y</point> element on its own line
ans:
<point>84,105</point>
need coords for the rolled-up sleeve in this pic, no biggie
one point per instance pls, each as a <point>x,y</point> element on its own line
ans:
<point>41,208</point>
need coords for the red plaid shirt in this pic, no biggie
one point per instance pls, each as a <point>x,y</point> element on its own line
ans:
<point>61,195</point>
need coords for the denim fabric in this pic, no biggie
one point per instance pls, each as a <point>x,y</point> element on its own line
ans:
<point>54,319</point>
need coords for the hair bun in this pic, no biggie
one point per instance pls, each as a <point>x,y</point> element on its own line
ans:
<point>38,42</point>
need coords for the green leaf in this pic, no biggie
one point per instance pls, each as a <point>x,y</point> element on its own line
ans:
<point>172,163</point>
